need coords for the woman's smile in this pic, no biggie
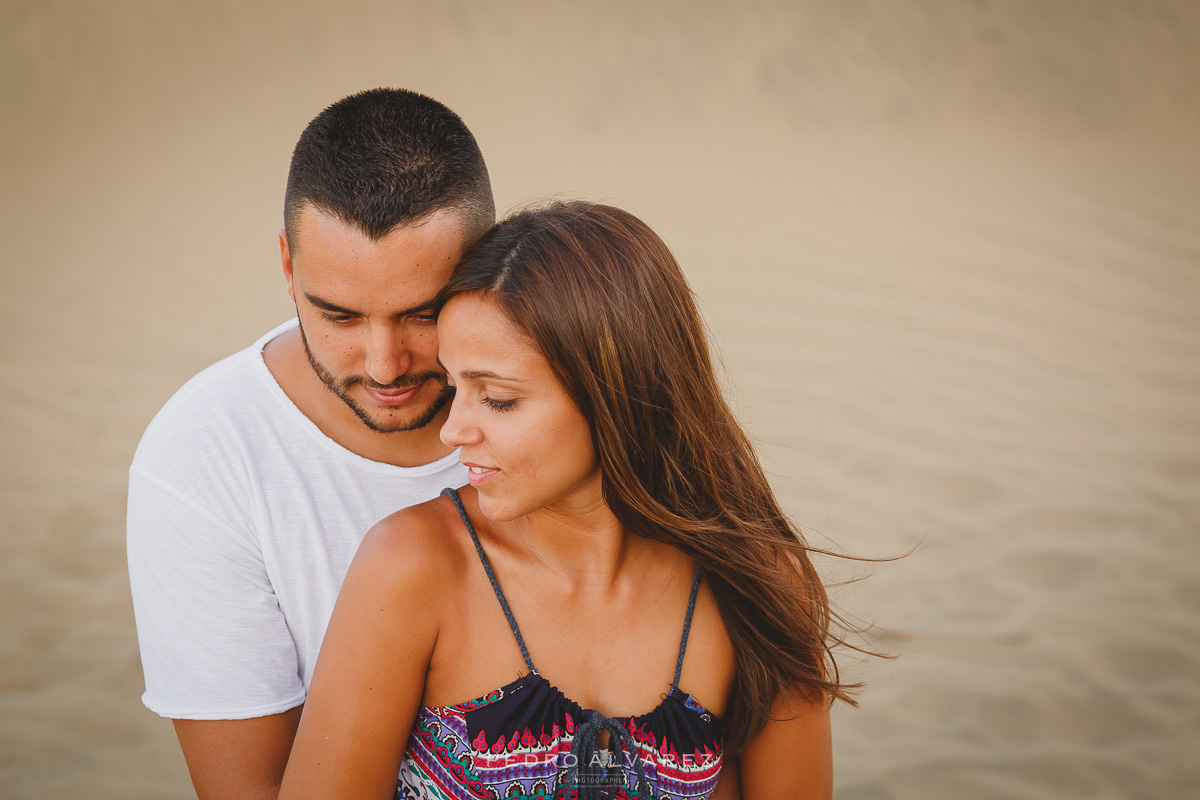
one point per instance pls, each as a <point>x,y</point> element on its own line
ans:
<point>479,475</point>
<point>525,443</point>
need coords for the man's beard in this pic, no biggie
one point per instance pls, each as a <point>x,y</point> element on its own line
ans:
<point>341,388</point>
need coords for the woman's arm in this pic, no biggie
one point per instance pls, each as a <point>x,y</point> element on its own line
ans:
<point>793,755</point>
<point>370,676</point>
<point>729,785</point>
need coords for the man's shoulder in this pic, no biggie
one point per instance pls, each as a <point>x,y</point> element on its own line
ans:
<point>218,408</point>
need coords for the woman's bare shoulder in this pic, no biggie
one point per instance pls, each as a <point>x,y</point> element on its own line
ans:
<point>423,543</point>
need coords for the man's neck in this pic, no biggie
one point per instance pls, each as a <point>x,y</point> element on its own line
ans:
<point>285,358</point>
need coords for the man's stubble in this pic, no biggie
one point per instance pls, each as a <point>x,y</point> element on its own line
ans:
<point>341,388</point>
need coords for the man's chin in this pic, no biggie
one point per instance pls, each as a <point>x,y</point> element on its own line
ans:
<point>390,425</point>
<point>400,421</point>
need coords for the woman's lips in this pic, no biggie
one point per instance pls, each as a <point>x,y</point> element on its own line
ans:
<point>477,475</point>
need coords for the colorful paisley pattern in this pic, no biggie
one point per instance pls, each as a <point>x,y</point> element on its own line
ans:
<point>514,743</point>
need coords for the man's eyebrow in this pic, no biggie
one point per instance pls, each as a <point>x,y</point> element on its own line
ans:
<point>326,305</point>
<point>336,309</point>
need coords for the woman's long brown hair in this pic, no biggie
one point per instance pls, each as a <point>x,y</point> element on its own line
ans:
<point>605,301</point>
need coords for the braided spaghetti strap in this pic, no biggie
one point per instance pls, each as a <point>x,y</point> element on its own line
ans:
<point>687,626</point>
<point>487,567</point>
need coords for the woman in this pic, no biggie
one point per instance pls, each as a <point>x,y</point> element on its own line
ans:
<point>618,566</point>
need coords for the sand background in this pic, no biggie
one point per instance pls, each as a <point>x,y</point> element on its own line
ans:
<point>950,252</point>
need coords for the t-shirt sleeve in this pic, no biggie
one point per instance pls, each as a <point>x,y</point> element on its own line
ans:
<point>213,640</point>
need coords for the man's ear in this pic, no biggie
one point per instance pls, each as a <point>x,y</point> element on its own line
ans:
<point>285,256</point>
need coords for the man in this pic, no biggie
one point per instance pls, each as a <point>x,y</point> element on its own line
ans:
<point>252,488</point>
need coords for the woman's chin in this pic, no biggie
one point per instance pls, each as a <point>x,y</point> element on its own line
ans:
<point>495,509</point>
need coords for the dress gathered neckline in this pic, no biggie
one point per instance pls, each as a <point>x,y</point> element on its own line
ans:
<point>528,739</point>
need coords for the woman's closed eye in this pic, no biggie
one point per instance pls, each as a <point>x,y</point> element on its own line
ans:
<point>498,405</point>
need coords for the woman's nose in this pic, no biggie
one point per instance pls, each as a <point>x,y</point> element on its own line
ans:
<point>459,429</point>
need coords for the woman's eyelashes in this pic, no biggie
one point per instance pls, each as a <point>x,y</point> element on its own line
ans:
<point>498,405</point>
<point>490,402</point>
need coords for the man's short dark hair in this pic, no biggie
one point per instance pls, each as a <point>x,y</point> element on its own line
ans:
<point>385,157</point>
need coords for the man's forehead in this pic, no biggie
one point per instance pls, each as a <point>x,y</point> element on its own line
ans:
<point>341,270</point>
<point>331,249</point>
<point>316,222</point>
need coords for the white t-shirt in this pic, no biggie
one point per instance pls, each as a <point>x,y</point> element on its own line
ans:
<point>243,518</point>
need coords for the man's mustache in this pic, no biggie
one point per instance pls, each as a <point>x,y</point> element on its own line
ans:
<point>406,381</point>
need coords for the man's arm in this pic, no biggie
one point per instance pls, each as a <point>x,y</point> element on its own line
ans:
<point>213,642</point>
<point>238,759</point>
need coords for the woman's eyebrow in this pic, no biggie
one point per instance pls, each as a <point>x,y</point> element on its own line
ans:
<point>488,375</point>
<point>479,374</point>
<point>482,375</point>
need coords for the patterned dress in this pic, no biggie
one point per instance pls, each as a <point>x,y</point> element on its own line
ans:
<point>528,741</point>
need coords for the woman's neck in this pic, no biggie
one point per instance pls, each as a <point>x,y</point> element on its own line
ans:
<point>582,544</point>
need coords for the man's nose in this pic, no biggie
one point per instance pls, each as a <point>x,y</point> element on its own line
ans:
<point>387,355</point>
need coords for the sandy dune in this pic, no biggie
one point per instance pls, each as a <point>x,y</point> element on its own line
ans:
<point>950,253</point>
